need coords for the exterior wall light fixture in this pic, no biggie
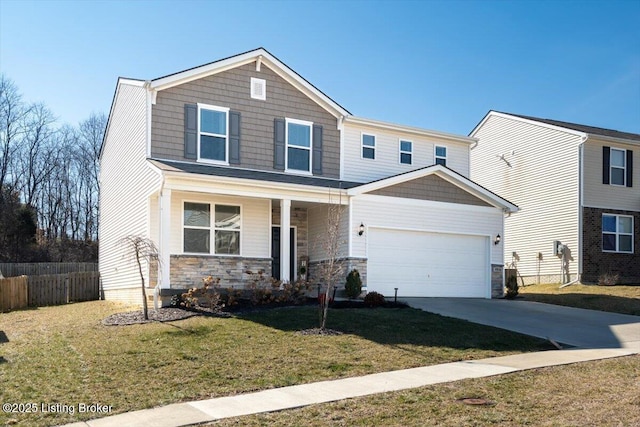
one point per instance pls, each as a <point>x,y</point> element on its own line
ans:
<point>361,229</point>
<point>497,240</point>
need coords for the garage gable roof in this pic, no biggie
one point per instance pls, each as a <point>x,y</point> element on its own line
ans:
<point>443,172</point>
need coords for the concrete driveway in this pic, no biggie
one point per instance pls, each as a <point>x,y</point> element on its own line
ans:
<point>574,326</point>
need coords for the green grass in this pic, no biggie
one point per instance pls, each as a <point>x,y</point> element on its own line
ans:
<point>65,355</point>
<point>599,393</point>
<point>615,299</point>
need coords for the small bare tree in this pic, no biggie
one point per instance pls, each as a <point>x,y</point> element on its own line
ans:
<point>331,270</point>
<point>144,249</point>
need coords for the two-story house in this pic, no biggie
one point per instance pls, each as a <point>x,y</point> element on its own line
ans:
<point>213,162</point>
<point>575,185</point>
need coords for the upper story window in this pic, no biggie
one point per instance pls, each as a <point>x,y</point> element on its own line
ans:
<point>299,145</point>
<point>198,232</point>
<point>617,166</point>
<point>441,155</point>
<point>368,146</point>
<point>213,138</point>
<point>406,152</point>
<point>617,233</point>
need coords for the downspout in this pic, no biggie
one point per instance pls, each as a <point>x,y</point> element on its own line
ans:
<point>156,289</point>
<point>581,205</point>
<point>580,210</point>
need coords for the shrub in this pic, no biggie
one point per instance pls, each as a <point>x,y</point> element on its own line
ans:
<point>353,287</point>
<point>373,299</point>
<point>608,279</point>
<point>209,290</point>
<point>512,287</point>
<point>267,290</point>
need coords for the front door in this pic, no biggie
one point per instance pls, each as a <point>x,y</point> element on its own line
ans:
<point>275,253</point>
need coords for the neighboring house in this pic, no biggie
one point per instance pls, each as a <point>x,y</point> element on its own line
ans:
<point>574,184</point>
<point>213,162</point>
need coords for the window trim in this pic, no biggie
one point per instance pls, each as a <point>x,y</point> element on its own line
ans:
<point>371,147</point>
<point>212,229</point>
<point>617,233</point>
<point>286,146</point>
<point>226,136</point>
<point>624,168</point>
<point>436,157</point>
<point>401,152</point>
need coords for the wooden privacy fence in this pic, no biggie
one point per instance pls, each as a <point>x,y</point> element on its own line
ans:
<point>13,293</point>
<point>40,268</point>
<point>54,289</point>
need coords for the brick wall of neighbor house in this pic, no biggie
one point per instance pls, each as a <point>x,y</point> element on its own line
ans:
<point>347,264</point>
<point>596,262</point>
<point>188,271</point>
<point>231,89</point>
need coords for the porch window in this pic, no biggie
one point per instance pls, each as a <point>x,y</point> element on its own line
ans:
<point>227,230</point>
<point>299,145</point>
<point>198,230</point>
<point>213,135</point>
<point>617,233</point>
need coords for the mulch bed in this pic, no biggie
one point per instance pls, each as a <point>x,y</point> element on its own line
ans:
<point>165,314</point>
<point>318,331</point>
<point>171,314</point>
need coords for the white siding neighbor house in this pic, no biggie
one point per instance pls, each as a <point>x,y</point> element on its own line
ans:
<point>578,194</point>
<point>213,162</point>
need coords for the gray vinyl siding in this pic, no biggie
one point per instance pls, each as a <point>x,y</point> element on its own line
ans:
<point>231,89</point>
<point>126,181</point>
<point>599,195</point>
<point>542,181</point>
<point>430,188</point>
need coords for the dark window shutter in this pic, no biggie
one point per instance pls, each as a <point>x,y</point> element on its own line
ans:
<point>234,137</point>
<point>629,168</point>
<point>606,156</point>
<point>191,131</point>
<point>317,150</point>
<point>278,144</point>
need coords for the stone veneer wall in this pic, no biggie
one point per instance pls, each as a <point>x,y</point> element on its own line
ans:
<point>188,271</point>
<point>595,262</point>
<point>497,282</point>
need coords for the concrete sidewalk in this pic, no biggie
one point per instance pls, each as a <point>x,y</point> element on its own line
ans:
<point>181,414</point>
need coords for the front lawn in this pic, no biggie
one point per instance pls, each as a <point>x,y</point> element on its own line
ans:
<point>616,299</point>
<point>64,355</point>
<point>598,393</point>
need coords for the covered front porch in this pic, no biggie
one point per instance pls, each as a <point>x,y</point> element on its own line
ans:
<point>231,229</point>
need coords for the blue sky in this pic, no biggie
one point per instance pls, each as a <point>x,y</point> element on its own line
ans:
<point>434,64</point>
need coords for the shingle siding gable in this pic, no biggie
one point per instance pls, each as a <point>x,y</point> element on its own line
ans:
<point>231,89</point>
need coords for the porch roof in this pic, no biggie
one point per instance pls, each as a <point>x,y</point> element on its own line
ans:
<point>229,172</point>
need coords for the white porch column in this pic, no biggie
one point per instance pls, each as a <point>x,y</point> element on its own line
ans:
<point>285,247</point>
<point>164,249</point>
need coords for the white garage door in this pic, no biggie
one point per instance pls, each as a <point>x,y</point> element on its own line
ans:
<point>423,264</point>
